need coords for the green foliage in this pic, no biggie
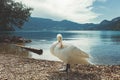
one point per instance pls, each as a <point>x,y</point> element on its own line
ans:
<point>13,14</point>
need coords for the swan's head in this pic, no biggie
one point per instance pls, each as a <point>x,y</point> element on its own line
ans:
<point>59,37</point>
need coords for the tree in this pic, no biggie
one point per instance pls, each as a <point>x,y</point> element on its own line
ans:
<point>13,14</point>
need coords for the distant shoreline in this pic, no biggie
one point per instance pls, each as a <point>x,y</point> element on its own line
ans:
<point>13,39</point>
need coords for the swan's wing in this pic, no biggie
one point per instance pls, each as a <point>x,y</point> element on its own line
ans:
<point>52,47</point>
<point>76,51</point>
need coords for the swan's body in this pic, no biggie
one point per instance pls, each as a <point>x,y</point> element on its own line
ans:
<point>68,53</point>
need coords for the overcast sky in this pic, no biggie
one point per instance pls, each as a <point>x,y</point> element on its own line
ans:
<point>81,11</point>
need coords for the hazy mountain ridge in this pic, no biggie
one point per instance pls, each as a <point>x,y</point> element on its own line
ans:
<point>48,24</point>
<point>114,24</point>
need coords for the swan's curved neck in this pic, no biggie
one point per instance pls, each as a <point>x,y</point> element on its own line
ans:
<point>61,45</point>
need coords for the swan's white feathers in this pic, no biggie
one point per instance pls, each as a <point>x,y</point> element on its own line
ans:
<point>69,53</point>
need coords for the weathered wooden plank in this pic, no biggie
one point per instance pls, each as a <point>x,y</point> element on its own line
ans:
<point>38,51</point>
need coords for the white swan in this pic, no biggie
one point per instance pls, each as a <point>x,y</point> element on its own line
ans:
<point>69,54</point>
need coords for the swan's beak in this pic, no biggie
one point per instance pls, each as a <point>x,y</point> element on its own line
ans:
<point>59,39</point>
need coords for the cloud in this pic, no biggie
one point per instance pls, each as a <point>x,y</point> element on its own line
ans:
<point>74,10</point>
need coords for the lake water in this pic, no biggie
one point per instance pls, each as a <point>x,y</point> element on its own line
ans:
<point>102,46</point>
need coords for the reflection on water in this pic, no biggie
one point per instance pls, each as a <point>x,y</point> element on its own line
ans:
<point>13,50</point>
<point>102,46</point>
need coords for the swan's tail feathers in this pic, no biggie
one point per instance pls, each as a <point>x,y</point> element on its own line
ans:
<point>85,54</point>
<point>80,53</point>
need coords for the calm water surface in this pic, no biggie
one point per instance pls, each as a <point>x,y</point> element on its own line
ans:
<point>102,46</point>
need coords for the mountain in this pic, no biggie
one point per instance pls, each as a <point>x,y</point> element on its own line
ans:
<point>48,24</point>
<point>114,24</point>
